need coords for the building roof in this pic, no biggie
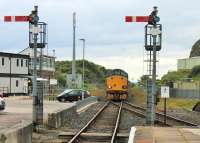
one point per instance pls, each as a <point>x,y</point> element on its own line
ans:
<point>28,50</point>
<point>14,55</point>
<point>195,49</point>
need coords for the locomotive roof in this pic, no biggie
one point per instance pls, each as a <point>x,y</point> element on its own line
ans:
<point>118,72</point>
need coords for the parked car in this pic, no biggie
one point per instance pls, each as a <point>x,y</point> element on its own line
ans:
<point>2,104</point>
<point>73,95</point>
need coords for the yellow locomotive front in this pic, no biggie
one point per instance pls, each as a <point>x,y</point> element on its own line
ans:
<point>117,85</point>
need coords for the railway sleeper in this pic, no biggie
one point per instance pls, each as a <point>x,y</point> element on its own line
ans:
<point>92,135</point>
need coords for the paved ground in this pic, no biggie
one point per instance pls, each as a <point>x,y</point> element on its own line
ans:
<point>166,135</point>
<point>20,108</point>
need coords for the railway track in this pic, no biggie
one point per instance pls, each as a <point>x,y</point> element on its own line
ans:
<point>103,127</point>
<point>171,121</point>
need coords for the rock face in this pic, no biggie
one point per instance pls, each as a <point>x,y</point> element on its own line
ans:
<point>195,49</point>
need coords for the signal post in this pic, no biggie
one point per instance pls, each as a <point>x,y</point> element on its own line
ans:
<point>153,38</point>
<point>33,19</point>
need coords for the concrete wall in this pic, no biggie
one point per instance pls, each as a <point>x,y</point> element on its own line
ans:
<point>68,116</point>
<point>21,88</point>
<point>22,68</point>
<point>20,133</point>
<point>6,67</point>
<point>59,118</point>
<point>86,102</point>
<point>185,93</point>
<point>188,63</point>
<point>187,85</point>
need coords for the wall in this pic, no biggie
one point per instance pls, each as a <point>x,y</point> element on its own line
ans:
<point>87,101</point>
<point>70,116</point>
<point>59,118</point>
<point>185,93</point>
<point>188,63</point>
<point>19,69</point>
<point>22,85</point>
<point>6,67</point>
<point>5,84</point>
<point>187,85</point>
<point>20,133</point>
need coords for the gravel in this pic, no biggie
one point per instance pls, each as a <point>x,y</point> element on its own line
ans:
<point>184,114</point>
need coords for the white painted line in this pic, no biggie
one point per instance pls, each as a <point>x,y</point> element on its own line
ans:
<point>132,135</point>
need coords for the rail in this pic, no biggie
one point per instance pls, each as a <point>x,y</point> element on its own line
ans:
<point>86,126</point>
<point>117,124</point>
<point>162,115</point>
<point>139,113</point>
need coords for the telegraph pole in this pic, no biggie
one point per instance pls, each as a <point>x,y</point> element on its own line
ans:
<point>74,52</point>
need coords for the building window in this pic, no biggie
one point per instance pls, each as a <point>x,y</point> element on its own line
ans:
<point>26,63</point>
<point>17,62</point>
<point>22,62</point>
<point>2,62</point>
<point>17,83</point>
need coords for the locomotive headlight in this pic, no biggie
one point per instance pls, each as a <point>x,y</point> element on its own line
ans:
<point>109,87</point>
<point>124,87</point>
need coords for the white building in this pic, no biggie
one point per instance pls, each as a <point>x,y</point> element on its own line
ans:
<point>188,63</point>
<point>14,71</point>
<point>46,69</point>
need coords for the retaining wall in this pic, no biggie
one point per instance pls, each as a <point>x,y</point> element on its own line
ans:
<point>86,102</point>
<point>20,133</point>
<point>59,118</point>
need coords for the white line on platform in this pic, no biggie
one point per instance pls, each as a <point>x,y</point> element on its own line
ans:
<point>132,135</point>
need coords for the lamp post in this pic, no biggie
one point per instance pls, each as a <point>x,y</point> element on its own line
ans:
<point>83,74</point>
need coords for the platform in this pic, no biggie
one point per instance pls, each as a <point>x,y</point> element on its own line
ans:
<point>20,108</point>
<point>167,135</point>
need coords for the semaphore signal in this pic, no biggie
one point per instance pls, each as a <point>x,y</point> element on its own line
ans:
<point>153,40</point>
<point>137,18</point>
<point>17,18</point>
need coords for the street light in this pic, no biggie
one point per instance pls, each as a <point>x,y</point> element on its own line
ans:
<point>83,74</point>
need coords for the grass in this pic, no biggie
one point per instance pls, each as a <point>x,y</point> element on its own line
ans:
<point>177,103</point>
<point>138,96</point>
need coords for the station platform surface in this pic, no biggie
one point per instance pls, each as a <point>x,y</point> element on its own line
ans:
<point>167,135</point>
<point>20,108</point>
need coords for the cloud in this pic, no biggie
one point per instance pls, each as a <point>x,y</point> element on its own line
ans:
<point>109,40</point>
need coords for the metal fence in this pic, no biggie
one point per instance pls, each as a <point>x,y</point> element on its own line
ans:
<point>185,93</point>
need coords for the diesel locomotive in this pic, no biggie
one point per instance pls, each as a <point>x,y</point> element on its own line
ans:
<point>117,85</point>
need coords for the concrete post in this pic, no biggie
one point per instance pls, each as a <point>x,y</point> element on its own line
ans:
<point>35,98</point>
<point>83,74</point>
<point>74,52</point>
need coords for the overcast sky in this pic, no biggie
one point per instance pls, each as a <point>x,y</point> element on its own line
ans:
<point>109,40</point>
